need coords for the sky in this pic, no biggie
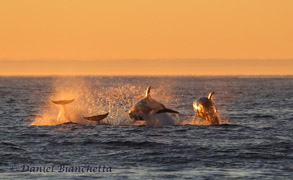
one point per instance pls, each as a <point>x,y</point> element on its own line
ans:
<point>146,37</point>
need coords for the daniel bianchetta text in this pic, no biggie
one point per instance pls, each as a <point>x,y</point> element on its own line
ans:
<point>66,169</point>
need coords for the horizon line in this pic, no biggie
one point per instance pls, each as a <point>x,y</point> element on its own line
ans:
<point>175,67</point>
<point>146,59</point>
<point>146,75</point>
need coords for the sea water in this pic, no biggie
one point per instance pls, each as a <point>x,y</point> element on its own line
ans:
<point>253,141</point>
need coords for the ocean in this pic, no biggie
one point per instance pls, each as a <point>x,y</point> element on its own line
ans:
<point>253,141</point>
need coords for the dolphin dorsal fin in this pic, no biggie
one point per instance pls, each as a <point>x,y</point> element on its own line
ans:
<point>211,95</point>
<point>147,93</point>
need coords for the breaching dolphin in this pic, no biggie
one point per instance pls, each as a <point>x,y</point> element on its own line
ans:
<point>145,108</point>
<point>206,109</point>
<point>96,118</point>
<point>63,108</point>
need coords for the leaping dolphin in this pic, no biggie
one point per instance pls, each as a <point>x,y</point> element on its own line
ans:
<point>63,109</point>
<point>97,118</point>
<point>63,102</point>
<point>206,109</point>
<point>147,106</point>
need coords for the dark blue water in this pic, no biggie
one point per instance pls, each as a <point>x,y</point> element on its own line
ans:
<point>254,142</point>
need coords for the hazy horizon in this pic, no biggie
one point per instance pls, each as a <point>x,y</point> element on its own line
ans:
<point>176,67</point>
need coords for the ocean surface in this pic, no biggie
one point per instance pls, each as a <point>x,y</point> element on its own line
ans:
<point>253,141</point>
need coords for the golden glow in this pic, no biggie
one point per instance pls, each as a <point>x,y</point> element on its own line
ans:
<point>101,30</point>
<point>84,104</point>
<point>195,107</point>
<point>59,115</point>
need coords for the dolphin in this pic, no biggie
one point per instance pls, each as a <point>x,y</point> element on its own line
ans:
<point>97,118</point>
<point>63,102</point>
<point>147,107</point>
<point>205,108</point>
<point>63,108</point>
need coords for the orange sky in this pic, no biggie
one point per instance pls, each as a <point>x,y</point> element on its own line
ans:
<point>101,30</point>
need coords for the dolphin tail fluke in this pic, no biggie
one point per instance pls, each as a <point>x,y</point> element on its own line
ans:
<point>97,118</point>
<point>211,95</point>
<point>166,111</point>
<point>63,102</point>
<point>147,94</point>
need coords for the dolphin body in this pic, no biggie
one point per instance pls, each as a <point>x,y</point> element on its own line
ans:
<point>205,108</point>
<point>151,111</point>
<point>63,108</point>
<point>97,118</point>
<point>63,102</point>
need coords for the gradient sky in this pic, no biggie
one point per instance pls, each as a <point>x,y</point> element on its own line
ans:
<point>173,32</point>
